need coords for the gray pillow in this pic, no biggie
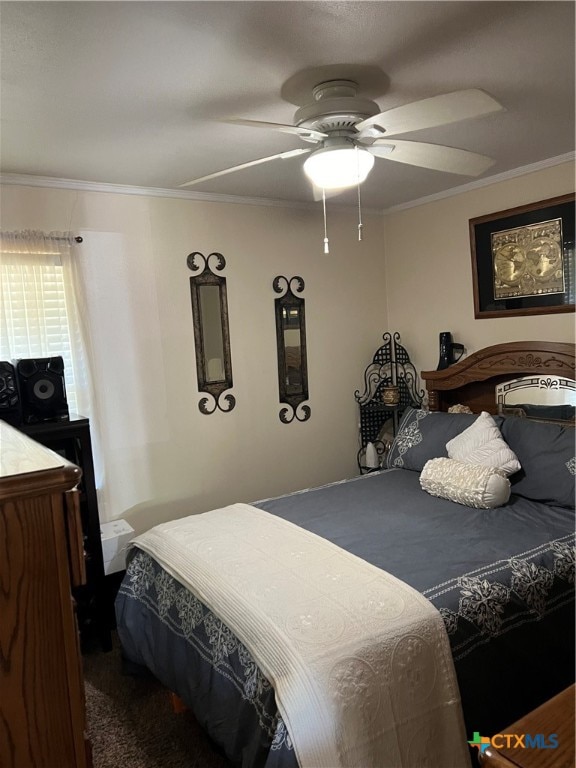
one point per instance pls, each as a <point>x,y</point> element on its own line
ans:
<point>546,454</point>
<point>422,435</point>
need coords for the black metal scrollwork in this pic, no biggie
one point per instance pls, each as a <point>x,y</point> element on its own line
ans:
<point>286,417</point>
<point>211,332</point>
<point>203,404</point>
<point>390,367</point>
<point>291,347</point>
<point>219,259</point>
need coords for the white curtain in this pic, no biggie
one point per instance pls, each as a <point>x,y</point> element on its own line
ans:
<point>40,310</point>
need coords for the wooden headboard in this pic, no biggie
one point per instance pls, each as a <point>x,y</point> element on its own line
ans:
<point>472,381</point>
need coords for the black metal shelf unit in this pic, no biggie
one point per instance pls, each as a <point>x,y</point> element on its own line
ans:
<point>71,439</point>
<point>390,366</point>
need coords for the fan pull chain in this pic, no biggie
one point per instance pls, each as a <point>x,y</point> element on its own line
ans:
<point>326,246</point>
<point>360,225</point>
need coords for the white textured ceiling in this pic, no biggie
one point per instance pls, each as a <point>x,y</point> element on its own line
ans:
<point>132,93</point>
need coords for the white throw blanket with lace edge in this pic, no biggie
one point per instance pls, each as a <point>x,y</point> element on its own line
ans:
<point>359,661</point>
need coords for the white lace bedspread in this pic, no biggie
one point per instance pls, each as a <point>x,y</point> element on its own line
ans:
<point>359,661</point>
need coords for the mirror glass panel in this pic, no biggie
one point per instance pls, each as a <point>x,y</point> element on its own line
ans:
<point>292,350</point>
<point>210,314</point>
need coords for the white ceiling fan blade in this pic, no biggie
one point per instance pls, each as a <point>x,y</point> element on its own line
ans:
<point>428,113</point>
<point>234,168</point>
<point>304,133</point>
<point>433,156</point>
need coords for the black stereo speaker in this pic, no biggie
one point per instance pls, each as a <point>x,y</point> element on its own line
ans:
<point>42,389</point>
<point>10,405</point>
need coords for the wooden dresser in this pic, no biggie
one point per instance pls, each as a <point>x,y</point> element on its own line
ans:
<point>42,713</point>
<point>554,716</point>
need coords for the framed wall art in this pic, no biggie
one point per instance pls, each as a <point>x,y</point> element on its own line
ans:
<point>523,259</point>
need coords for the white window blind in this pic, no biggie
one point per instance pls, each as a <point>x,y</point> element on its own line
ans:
<point>38,315</point>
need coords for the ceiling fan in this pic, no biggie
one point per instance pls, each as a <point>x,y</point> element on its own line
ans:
<point>348,132</point>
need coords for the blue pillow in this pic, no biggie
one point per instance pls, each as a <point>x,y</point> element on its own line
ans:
<point>422,435</point>
<point>546,454</point>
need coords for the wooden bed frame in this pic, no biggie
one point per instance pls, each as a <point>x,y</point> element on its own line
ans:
<point>472,381</point>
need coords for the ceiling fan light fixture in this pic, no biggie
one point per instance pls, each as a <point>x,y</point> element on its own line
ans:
<point>338,167</point>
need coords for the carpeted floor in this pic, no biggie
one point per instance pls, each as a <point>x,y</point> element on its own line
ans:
<point>132,725</point>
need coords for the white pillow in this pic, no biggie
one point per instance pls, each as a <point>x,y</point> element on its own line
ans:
<point>468,484</point>
<point>482,443</point>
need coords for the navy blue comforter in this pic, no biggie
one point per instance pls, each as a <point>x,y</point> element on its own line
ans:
<point>503,580</point>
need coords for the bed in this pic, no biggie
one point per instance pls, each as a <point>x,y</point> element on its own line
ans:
<point>501,579</point>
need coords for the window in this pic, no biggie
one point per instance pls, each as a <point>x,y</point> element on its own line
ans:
<point>39,315</point>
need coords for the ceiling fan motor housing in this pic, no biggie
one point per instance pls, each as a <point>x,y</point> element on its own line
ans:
<point>336,108</point>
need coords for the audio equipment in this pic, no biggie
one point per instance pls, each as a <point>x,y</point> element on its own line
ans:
<point>42,389</point>
<point>10,404</point>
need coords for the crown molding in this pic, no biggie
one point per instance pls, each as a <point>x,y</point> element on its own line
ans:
<point>485,182</point>
<point>29,180</point>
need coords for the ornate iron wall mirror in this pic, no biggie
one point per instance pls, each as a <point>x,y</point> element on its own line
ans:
<point>291,346</point>
<point>211,334</point>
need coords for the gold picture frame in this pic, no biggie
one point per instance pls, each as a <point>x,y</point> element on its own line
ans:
<point>523,259</point>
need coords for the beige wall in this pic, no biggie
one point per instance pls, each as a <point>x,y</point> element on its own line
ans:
<point>429,274</point>
<point>164,458</point>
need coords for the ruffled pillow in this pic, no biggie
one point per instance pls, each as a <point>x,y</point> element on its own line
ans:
<point>469,484</point>
<point>482,443</point>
